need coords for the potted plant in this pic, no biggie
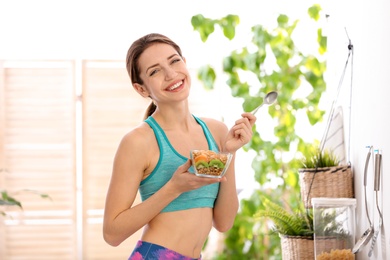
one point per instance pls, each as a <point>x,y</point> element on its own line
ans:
<point>295,228</point>
<point>322,175</point>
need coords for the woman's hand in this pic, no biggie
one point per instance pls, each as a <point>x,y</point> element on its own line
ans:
<point>241,133</point>
<point>183,180</point>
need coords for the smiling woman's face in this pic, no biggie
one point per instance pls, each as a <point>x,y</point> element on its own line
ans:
<point>163,72</point>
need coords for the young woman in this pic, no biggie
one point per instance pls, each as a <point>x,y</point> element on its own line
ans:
<point>178,208</point>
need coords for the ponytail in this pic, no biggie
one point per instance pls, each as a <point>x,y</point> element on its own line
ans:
<point>150,110</point>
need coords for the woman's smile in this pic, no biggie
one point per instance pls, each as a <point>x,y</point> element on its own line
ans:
<point>176,87</point>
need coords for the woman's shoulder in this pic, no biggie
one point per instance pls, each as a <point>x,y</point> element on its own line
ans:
<point>135,151</point>
<point>215,126</point>
<point>213,122</point>
<point>138,135</point>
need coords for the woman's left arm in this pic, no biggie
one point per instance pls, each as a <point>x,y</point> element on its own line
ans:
<point>226,205</point>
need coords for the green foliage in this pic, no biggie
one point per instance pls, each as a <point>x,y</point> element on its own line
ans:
<point>8,200</point>
<point>291,223</point>
<point>314,11</point>
<point>319,159</point>
<point>277,63</point>
<point>247,239</point>
<point>205,26</point>
<point>207,75</point>
<point>331,225</point>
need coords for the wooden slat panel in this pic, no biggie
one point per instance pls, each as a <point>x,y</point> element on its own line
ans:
<point>46,242</point>
<point>98,249</point>
<point>39,154</point>
<point>2,153</point>
<point>111,108</point>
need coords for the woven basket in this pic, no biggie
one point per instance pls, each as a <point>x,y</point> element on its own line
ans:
<point>297,248</point>
<point>329,182</point>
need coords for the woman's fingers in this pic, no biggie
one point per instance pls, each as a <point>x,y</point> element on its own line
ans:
<point>251,118</point>
<point>241,133</point>
<point>186,181</point>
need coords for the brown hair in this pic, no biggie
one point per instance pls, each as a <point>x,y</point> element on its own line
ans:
<point>135,51</point>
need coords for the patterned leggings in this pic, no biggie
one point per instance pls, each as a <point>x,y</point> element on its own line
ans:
<point>148,251</point>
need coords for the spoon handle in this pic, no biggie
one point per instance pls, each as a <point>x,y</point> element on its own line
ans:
<point>256,109</point>
<point>373,241</point>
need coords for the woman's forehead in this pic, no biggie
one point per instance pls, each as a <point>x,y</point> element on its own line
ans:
<point>156,53</point>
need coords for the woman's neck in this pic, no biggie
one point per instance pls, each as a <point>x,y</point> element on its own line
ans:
<point>174,118</point>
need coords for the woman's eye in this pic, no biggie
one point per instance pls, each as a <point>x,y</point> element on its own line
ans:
<point>153,72</point>
<point>176,60</point>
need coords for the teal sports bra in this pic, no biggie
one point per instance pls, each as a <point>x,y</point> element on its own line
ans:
<point>168,163</point>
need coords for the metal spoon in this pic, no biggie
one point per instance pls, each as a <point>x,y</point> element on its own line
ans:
<point>368,234</point>
<point>378,166</point>
<point>268,100</point>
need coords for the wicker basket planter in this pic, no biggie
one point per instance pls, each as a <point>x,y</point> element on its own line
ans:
<point>330,182</point>
<point>297,247</point>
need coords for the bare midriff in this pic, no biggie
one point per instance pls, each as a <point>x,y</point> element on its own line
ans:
<point>182,231</point>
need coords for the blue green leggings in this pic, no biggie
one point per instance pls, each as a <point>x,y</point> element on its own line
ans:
<point>148,251</point>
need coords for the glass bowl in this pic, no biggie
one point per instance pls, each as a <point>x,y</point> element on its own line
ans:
<point>210,164</point>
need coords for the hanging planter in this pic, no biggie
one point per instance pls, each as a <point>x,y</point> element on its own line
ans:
<point>323,174</point>
<point>322,177</point>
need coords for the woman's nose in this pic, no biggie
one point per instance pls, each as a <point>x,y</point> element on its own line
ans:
<point>170,73</point>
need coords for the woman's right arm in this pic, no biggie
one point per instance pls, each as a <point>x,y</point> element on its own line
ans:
<point>121,219</point>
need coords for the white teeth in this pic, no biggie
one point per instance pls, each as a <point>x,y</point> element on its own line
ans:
<point>176,85</point>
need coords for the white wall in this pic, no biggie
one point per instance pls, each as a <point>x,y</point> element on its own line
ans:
<point>368,27</point>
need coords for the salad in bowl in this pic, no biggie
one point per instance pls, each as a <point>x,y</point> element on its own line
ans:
<point>210,164</point>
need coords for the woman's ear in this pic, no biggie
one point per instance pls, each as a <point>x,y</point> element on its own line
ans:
<point>141,90</point>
